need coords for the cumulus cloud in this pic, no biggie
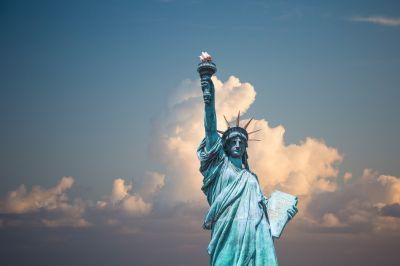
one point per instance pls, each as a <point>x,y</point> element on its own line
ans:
<point>131,204</point>
<point>150,185</point>
<point>136,202</point>
<point>330,220</point>
<point>308,169</point>
<point>22,201</point>
<point>52,207</point>
<point>70,215</point>
<point>49,201</point>
<point>138,209</point>
<point>179,129</point>
<point>368,203</point>
<point>379,20</point>
<point>295,168</point>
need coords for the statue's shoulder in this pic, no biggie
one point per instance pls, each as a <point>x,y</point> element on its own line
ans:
<point>253,174</point>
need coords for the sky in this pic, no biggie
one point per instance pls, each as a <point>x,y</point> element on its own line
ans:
<point>101,115</point>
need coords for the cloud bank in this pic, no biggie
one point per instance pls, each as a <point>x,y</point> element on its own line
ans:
<point>329,202</point>
<point>296,168</point>
<point>365,204</point>
<point>52,202</point>
<point>309,169</point>
<point>52,207</point>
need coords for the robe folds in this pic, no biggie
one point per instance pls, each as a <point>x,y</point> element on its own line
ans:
<point>240,232</point>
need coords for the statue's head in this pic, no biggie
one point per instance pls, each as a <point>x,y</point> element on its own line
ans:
<point>235,144</point>
<point>235,140</point>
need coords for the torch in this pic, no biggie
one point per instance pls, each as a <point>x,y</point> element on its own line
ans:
<point>206,69</point>
<point>206,66</point>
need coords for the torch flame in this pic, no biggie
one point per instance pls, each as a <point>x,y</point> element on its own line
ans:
<point>205,57</point>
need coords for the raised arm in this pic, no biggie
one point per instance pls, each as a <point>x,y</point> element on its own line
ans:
<point>210,118</point>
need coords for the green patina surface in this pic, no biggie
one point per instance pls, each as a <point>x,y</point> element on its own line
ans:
<point>240,233</point>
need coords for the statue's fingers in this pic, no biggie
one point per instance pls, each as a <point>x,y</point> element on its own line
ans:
<point>292,213</point>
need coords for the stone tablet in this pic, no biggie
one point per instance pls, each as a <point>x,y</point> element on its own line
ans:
<point>278,205</point>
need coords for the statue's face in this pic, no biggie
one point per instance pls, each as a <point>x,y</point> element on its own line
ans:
<point>237,147</point>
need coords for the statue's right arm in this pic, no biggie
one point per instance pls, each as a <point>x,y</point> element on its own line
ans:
<point>210,118</point>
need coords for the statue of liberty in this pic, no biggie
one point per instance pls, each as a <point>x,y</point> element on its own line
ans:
<point>237,217</point>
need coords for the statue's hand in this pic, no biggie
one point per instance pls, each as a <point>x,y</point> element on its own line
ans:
<point>208,89</point>
<point>292,212</point>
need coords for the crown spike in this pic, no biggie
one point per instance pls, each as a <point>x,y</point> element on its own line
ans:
<point>227,123</point>
<point>238,119</point>
<point>248,123</point>
<point>254,131</point>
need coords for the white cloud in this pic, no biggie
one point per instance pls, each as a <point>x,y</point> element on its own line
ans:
<point>330,220</point>
<point>153,182</point>
<point>52,208</point>
<point>121,199</point>
<point>22,201</point>
<point>296,168</point>
<point>136,202</point>
<point>363,204</point>
<point>178,131</point>
<point>301,169</point>
<point>379,20</point>
<point>71,216</point>
<point>53,200</point>
<point>119,190</point>
<point>308,169</point>
<point>135,205</point>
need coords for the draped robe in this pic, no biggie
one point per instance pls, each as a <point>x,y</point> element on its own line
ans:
<point>240,232</point>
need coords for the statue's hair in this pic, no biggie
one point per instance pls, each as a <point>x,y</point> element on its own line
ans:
<point>245,158</point>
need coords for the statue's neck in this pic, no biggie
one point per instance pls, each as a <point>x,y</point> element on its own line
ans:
<point>236,161</point>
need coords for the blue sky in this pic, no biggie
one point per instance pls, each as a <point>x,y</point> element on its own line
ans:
<point>83,83</point>
<point>81,80</point>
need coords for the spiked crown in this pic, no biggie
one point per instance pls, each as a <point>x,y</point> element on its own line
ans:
<point>237,130</point>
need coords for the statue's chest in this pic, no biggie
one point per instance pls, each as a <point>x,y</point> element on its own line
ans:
<point>231,173</point>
